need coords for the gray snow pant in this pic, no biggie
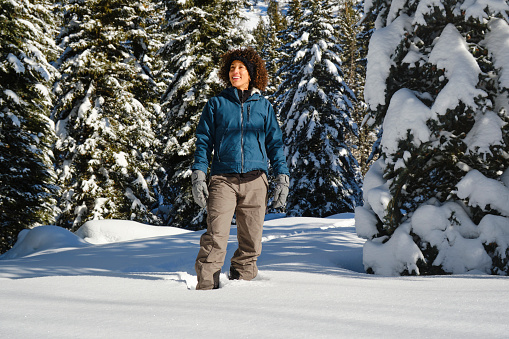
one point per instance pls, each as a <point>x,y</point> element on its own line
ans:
<point>246,196</point>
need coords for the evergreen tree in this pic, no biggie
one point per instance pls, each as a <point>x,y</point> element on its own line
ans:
<point>286,52</point>
<point>353,35</point>
<point>260,33</point>
<point>156,28</point>
<point>26,175</point>
<point>287,69</point>
<point>276,18</point>
<point>155,40</point>
<point>199,33</point>
<point>267,37</point>
<point>104,114</point>
<point>288,34</point>
<point>436,83</point>
<point>314,105</point>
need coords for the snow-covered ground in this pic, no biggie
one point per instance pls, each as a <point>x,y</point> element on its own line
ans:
<point>140,283</point>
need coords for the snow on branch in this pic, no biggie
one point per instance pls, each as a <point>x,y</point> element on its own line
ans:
<point>482,191</point>
<point>406,112</point>
<point>461,69</point>
<point>382,46</point>
<point>497,41</point>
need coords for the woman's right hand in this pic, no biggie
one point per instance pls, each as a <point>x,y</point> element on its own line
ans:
<point>200,190</point>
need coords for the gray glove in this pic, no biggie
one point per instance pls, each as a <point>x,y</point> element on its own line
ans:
<point>200,191</point>
<point>281,192</point>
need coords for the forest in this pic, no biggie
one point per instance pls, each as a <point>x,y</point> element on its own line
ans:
<point>397,111</point>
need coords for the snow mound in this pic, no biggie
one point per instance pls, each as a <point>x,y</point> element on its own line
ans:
<point>109,231</point>
<point>42,238</point>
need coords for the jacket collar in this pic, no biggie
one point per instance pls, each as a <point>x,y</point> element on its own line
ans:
<point>231,93</point>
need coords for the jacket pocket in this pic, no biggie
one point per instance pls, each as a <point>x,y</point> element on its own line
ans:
<point>220,144</point>
<point>261,146</point>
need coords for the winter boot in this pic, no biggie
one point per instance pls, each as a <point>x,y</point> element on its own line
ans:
<point>216,280</point>
<point>234,274</point>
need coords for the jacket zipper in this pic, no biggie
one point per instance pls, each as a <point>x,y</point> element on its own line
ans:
<point>220,143</point>
<point>242,136</point>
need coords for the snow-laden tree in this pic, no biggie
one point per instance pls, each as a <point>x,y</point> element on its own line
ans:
<point>157,38</point>
<point>437,201</point>
<point>268,42</point>
<point>286,52</point>
<point>353,34</point>
<point>104,114</point>
<point>26,133</point>
<point>314,106</point>
<point>260,33</point>
<point>200,32</point>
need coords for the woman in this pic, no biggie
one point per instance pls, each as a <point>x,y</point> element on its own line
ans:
<point>240,129</point>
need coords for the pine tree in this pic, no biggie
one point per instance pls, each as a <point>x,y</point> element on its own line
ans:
<point>260,33</point>
<point>287,35</point>
<point>276,23</point>
<point>314,105</point>
<point>286,52</point>
<point>353,35</point>
<point>26,175</point>
<point>159,36</point>
<point>200,32</point>
<point>435,82</point>
<point>105,149</point>
<point>286,70</point>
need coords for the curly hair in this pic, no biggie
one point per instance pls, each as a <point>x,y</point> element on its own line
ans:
<point>260,77</point>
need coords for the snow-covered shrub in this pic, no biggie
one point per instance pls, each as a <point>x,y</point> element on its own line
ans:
<point>437,82</point>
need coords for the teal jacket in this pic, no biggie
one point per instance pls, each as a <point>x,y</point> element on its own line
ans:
<point>242,137</point>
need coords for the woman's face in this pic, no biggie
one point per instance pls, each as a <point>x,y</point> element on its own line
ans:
<point>239,76</point>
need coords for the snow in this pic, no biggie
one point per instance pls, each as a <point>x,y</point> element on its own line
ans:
<point>476,9</point>
<point>316,58</point>
<point>86,104</point>
<point>461,69</point>
<point>13,96</point>
<point>495,229</point>
<point>35,64</point>
<point>131,281</point>
<point>405,113</point>
<point>382,46</point>
<point>376,191</point>
<point>398,254</point>
<point>497,41</point>
<point>446,226</point>
<point>366,222</point>
<point>425,8</point>
<point>44,91</point>
<point>298,42</point>
<point>505,177</point>
<point>40,239</point>
<point>459,248</point>
<point>14,119</point>
<point>16,63</point>
<point>483,192</point>
<point>111,231</point>
<point>486,132</point>
<point>396,7</point>
<point>120,159</point>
